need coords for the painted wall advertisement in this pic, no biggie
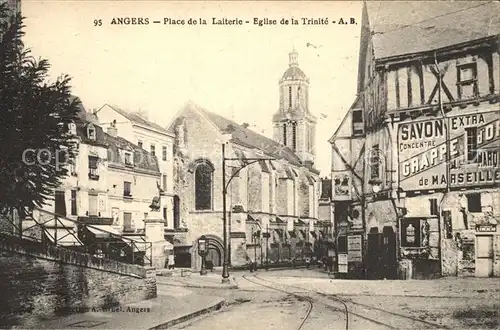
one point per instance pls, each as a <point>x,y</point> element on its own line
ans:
<point>473,149</point>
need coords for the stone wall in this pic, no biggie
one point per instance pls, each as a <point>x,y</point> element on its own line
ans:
<point>42,283</point>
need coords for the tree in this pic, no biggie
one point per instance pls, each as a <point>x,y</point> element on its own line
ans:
<point>35,115</point>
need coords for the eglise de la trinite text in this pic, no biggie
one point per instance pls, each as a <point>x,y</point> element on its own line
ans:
<point>232,21</point>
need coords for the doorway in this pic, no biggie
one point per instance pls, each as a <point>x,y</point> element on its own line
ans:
<point>381,254</point>
<point>215,256</point>
<point>484,255</point>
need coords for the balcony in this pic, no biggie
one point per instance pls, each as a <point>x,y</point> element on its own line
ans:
<point>93,176</point>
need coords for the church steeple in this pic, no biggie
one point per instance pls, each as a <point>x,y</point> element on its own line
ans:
<point>293,58</point>
<point>294,125</point>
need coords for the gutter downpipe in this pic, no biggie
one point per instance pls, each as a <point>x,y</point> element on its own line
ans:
<point>445,122</point>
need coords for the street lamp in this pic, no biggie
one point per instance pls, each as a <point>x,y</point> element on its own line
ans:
<point>225,185</point>
<point>203,251</point>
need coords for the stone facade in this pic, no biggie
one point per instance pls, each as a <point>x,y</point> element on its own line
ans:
<point>264,193</point>
<point>51,282</point>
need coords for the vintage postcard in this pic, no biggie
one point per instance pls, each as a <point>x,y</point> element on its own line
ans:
<point>249,164</point>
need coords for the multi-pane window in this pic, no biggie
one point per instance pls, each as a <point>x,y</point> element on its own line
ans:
<point>289,96</point>
<point>73,203</point>
<point>93,170</point>
<point>139,143</point>
<point>467,81</point>
<point>294,136</point>
<point>128,158</point>
<point>152,149</point>
<point>471,144</point>
<point>164,153</point>
<point>127,189</point>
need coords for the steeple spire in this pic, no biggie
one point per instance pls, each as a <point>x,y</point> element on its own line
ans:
<point>293,58</point>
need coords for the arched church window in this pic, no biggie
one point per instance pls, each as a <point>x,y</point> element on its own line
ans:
<point>203,186</point>
<point>294,136</point>
<point>289,96</point>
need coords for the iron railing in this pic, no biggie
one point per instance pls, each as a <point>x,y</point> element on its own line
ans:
<point>52,229</point>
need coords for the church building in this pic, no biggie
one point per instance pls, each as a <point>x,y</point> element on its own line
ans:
<point>272,185</point>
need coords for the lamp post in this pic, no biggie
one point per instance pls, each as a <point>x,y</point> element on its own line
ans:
<point>203,251</point>
<point>225,185</point>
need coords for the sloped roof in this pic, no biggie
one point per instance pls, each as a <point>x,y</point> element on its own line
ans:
<point>401,28</point>
<point>135,118</point>
<point>251,139</point>
<point>142,159</point>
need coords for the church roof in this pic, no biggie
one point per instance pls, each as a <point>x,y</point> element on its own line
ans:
<point>294,72</point>
<point>248,138</point>
<point>400,28</point>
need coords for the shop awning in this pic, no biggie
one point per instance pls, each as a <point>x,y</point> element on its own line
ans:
<point>65,236</point>
<point>103,231</point>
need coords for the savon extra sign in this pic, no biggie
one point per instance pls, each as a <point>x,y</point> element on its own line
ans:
<point>423,152</point>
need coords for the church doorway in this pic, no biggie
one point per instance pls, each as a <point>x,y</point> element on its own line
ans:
<point>215,250</point>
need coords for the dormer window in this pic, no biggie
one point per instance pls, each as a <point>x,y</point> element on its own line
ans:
<point>72,128</point>
<point>91,133</point>
<point>128,158</point>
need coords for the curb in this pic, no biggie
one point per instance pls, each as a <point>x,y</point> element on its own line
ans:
<point>189,316</point>
<point>187,285</point>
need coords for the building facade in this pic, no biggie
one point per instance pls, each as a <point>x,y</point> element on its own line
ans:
<point>272,194</point>
<point>415,161</point>
<point>110,183</point>
<point>153,138</point>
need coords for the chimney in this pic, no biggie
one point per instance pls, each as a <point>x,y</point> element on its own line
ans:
<point>112,129</point>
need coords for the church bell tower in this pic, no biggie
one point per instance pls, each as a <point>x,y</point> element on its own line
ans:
<point>294,125</point>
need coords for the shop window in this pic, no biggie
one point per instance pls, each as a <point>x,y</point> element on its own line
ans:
<point>474,202</point>
<point>410,233</point>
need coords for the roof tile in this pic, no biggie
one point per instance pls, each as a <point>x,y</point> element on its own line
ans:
<point>401,28</point>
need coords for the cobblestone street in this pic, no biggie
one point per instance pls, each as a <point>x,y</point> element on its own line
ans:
<point>447,303</point>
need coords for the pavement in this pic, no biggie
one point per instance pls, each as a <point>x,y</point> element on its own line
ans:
<point>177,302</point>
<point>183,296</point>
<point>172,306</point>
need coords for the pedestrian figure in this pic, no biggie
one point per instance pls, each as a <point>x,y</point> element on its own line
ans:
<point>308,262</point>
<point>171,261</point>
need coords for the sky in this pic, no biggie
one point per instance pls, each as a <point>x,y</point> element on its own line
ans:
<point>232,70</point>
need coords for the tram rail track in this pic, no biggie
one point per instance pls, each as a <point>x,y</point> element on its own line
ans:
<point>310,304</point>
<point>351,309</point>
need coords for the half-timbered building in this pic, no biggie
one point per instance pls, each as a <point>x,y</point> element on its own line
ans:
<point>415,161</point>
